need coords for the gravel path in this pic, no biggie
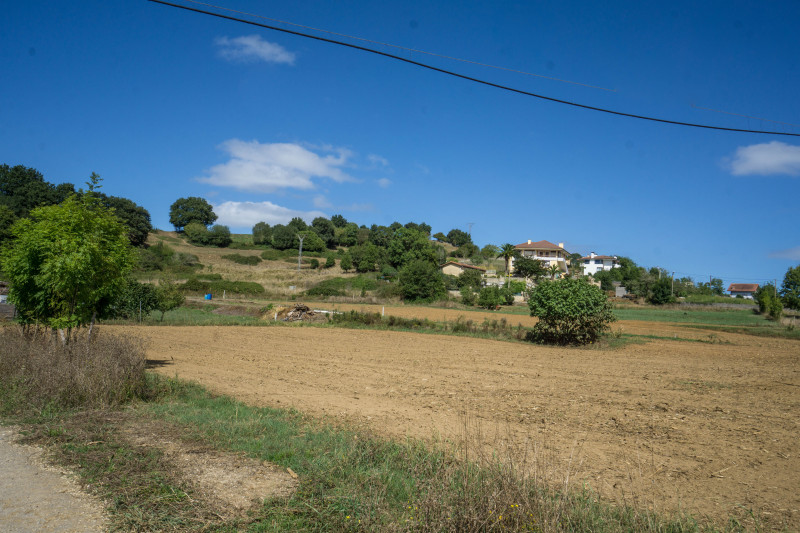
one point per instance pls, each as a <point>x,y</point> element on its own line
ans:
<point>35,497</point>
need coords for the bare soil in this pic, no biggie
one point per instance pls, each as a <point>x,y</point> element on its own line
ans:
<point>707,428</point>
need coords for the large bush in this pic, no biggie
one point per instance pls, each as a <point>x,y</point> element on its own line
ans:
<point>420,280</point>
<point>570,311</point>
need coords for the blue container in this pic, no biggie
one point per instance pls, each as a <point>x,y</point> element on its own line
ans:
<point>208,296</point>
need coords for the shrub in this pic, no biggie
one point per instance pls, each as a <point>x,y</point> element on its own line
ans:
<point>662,292</point>
<point>490,297</point>
<point>420,280</point>
<point>467,296</point>
<point>135,298</point>
<point>570,311</point>
<point>37,371</point>
<point>330,262</point>
<point>507,296</point>
<point>243,259</point>
<point>314,263</point>
<point>346,263</point>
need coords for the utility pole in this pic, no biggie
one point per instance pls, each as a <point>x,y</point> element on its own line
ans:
<point>672,290</point>
<point>469,228</point>
<point>300,253</point>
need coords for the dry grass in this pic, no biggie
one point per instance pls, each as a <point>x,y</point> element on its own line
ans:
<point>36,369</point>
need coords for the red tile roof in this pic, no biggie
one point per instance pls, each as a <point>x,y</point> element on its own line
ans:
<point>743,287</point>
<point>539,245</point>
<point>599,257</point>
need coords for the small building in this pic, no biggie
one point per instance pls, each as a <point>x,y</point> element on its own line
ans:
<point>745,290</point>
<point>593,263</point>
<point>456,269</point>
<point>546,252</point>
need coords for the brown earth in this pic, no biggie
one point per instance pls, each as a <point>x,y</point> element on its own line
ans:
<point>709,428</point>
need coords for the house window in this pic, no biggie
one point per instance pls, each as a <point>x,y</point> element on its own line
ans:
<point>587,262</point>
<point>598,261</point>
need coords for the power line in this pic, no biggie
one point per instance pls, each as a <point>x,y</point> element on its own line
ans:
<point>414,50</point>
<point>473,79</point>
<point>745,116</point>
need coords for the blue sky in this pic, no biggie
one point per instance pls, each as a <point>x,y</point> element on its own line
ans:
<point>165,103</point>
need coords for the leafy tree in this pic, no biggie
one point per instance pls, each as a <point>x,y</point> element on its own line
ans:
<point>471,278</point>
<point>133,298</point>
<point>768,301</point>
<point>362,235</point>
<point>7,218</point>
<point>23,189</point>
<point>346,262</point>
<point>790,289</point>
<point>297,224</point>
<point>314,263</point>
<point>490,251</point>
<point>283,237</point>
<point>219,236</point>
<point>441,237</point>
<point>662,292</point>
<point>408,245</point>
<point>168,297</point>
<point>420,280</point>
<point>423,227</point>
<point>367,257</point>
<point>339,221</point>
<point>713,287</point>
<point>311,241</point>
<point>67,262</point>
<point>457,237</point>
<point>191,209</point>
<point>326,231</point>
<point>467,295</point>
<point>575,264</point>
<point>348,235</point>
<point>570,311</point>
<point>262,233</point>
<point>525,267</point>
<point>380,235</point>
<point>196,232</point>
<point>135,217</point>
<point>554,271</point>
<point>330,262</point>
<point>467,250</point>
<point>490,297</point>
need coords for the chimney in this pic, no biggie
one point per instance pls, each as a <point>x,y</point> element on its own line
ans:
<point>529,241</point>
<point>561,245</point>
<point>592,254</point>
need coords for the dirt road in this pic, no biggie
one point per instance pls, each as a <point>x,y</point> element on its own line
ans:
<point>35,497</point>
<point>708,428</point>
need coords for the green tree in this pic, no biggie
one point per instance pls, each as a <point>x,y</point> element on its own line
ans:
<point>311,241</point>
<point>570,311</point>
<point>662,292</point>
<point>330,262</point>
<point>490,297</point>
<point>219,236</point>
<point>525,267</point>
<point>23,189</point>
<point>471,278</point>
<point>408,245</point>
<point>326,231</point>
<point>196,232</point>
<point>554,271</point>
<point>339,221</point>
<point>168,297</point>
<point>420,280</point>
<point>297,224</point>
<point>135,217</point>
<point>283,237</point>
<point>191,209</point>
<point>367,257</point>
<point>490,251</point>
<point>67,262</point>
<point>441,237</point>
<point>262,233</point>
<point>7,218</point>
<point>134,298</point>
<point>457,237</point>
<point>790,289</point>
<point>346,262</point>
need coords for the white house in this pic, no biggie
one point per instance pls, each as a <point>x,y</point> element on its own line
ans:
<point>593,263</point>
<point>745,290</point>
<point>546,252</point>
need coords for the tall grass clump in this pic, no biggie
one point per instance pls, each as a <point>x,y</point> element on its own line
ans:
<point>37,370</point>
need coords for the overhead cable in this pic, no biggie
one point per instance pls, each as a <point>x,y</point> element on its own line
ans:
<point>472,79</point>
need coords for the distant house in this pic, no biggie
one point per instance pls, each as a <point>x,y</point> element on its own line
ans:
<point>593,263</point>
<point>456,269</point>
<point>546,252</point>
<point>745,290</point>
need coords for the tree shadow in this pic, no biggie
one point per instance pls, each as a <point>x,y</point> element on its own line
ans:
<point>157,363</point>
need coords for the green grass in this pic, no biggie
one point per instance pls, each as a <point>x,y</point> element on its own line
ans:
<point>726,317</point>
<point>713,299</point>
<point>767,330</point>
<point>185,316</point>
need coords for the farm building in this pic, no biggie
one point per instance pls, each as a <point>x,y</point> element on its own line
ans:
<point>745,290</point>
<point>455,269</point>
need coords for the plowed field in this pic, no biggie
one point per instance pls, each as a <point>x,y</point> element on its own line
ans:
<point>710,428</point>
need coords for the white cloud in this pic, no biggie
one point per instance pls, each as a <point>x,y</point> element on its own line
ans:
<point>766,159</point>
<point>252,48</point>
<point>384,182</point>
<point>791,253</point>
<point>377,160</point>
<point>247,214</point>
<point>257,167</point>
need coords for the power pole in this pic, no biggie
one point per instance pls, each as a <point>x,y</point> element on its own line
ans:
<point>672,290</point>
<point>300,253</point>
<point>469,228</point>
